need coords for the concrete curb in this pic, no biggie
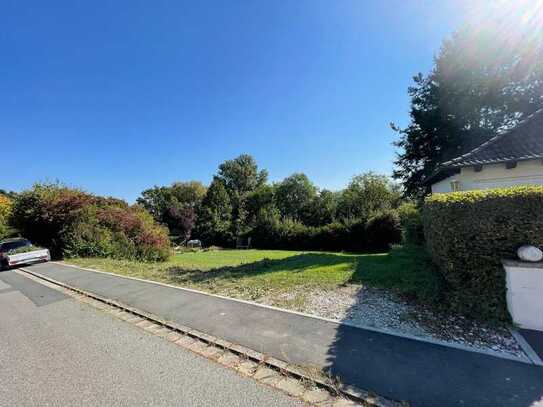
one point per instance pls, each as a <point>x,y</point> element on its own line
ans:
<point>496,354</point>
<point>262,360</point>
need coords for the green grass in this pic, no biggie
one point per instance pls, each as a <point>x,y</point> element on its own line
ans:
<point>258,274</point>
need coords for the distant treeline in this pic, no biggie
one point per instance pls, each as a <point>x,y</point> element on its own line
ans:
<point>293,213</point>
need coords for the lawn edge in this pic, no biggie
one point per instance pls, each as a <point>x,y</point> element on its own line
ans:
<point>368,398</point>
<point>501,355</point>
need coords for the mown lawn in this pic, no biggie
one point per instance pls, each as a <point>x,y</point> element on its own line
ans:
<point>255,274</point>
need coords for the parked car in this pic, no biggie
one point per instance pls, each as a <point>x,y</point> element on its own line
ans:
<point>15,252</point>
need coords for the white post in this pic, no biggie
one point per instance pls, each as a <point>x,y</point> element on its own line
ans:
<point>525,293</point>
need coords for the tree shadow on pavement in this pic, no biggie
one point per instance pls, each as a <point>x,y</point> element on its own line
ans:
<point>423,373</point>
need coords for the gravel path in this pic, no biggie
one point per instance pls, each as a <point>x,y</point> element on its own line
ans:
<point>381,309</point>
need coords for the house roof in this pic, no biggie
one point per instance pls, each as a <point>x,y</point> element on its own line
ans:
<point>523,142</point>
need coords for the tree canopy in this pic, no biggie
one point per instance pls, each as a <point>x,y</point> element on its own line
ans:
<point>239,200</point>
<point>366,194</point>
<point>240,177</point>
<point>215,214</point>
<point>293,195</point>
<point>486,77</point>
<point>175,205</point>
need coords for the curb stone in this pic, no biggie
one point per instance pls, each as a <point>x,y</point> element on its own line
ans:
<point>254,364</point>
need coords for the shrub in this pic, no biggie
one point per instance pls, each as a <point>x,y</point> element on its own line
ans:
<point>42,213</point>
<point>411,221</point>
<point>112,231</point>
<point>74,223</point>
<point>468,233</point>
<point>271,233</point>
<point>383,230</point>
<point>5,212</point>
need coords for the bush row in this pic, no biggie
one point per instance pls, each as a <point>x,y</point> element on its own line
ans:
<point>71,222</point>
<point>468,233</point>
<point>378,233</point>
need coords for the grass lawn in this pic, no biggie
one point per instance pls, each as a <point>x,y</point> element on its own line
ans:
<point>258,274</point>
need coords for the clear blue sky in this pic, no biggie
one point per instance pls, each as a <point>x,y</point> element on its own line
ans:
<point>116,96</point>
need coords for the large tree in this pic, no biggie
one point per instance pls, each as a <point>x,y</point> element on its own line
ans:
<point>322,209</point>
<point>240,177</point>
<point>367,194</point>
<point>486,77</point>
<point>260,200</point>
<point>215,215</point>
<point>293,195</point>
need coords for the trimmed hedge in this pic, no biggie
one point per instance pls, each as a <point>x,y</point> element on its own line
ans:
<point>468,233</point>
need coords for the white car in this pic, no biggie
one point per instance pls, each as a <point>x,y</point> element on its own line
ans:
<point>16,252</point>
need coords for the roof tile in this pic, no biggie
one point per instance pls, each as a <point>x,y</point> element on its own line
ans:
<point>523,142</point>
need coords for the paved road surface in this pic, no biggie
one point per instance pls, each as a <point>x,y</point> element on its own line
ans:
<point>56,351</point>
<point>426,375</point>
<point>535,339</point>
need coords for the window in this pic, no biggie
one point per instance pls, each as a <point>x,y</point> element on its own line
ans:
<point>455,186</point>
<point>14,245</point>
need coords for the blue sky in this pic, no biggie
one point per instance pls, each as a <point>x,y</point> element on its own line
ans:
<point>116,96</point>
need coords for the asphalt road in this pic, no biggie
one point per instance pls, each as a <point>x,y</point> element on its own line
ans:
<point>56,351</point>
<point>425,374</point>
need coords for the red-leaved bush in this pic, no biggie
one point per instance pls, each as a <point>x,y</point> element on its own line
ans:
<point>74,223</point>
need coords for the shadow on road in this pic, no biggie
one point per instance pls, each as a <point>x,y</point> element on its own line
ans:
<point>426,374</point>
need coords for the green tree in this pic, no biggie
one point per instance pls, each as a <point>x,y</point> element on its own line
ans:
<point>175,206</point>
<point>487,77</point>
<point>322,209</point>
<point>366,194</point>
<point>157,200</point>
<point>240,177</point>
<point>189,193</point>
<point>261,199</point>
<point>9,194</point>
<point>294,194</point>
<point>214,224</point>
<point>5,212</point>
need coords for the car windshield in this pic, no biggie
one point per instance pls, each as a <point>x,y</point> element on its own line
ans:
<point>8,246</point>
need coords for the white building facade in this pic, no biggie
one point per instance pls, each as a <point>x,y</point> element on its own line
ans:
<point>529,172</point>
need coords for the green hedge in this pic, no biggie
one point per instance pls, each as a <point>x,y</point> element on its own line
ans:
<point>411,221</point>
<point>378,234</point>
<point>468,233</point>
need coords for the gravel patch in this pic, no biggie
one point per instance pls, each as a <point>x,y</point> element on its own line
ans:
<point>382,309</point>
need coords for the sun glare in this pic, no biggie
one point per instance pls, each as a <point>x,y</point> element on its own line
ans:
<point>532,13</point>
<point>518,24</point>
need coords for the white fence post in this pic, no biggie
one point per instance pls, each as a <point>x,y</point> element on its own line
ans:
<point>525,293</point>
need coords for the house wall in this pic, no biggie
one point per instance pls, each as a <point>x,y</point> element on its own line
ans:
<point>529,172</point>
